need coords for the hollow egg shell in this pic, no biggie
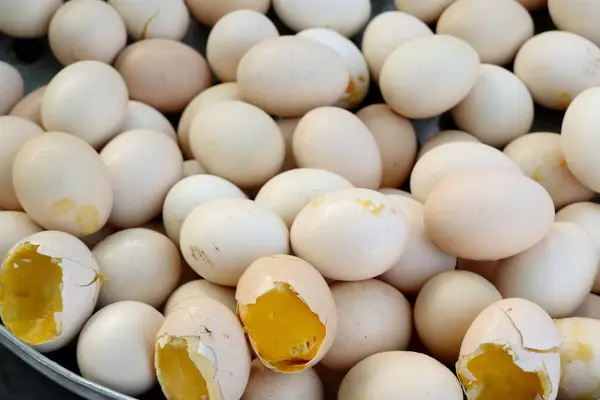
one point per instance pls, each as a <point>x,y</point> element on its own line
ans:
<point>288,312</point>
<point>49,284</point>
<point>201,288</point>
<point>201,352</point>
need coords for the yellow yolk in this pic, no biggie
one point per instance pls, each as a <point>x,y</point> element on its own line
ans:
<point>283,330</point>
<point>30,293</point>
<point>497,377</point>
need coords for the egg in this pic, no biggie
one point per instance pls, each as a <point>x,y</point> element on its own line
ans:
<point>62,184</point>
<point>287,127</point>
<point>590,308</point>
<point>289,192</point>
<point>232,36</point>
<point>540,156</point>
<point>247,150</point>
<point>444,161</point>
<point>12,87</point>
<point>498,109</point>
<point>149,19</point>
<point>385,33</point>
<point>484,27</point>
<point>30,106</point>
<point>556,66</point>
<point>143,166</point>
<point>577,17</point>
<point>399,374</point>
<point>27,18</point>
<point>587,216</point>
<point>580,365</point>
<point>190,192</point>
<point>49,285</point>
<point>305,14</point>
<point>214,94</point>
<point>201,352</point>
<point>143,116</point>
<point>485,269</point>
<point>533,4</point>
<point>416,82</point>
<point>138,265</point>
<point>334,139</point>
<point>427,11</point>
<point>15,132</point>
<point>421,259</point>
<point>165,74</point>
<point>487,214</point>
<point>192,167</point>
<point>200,288</point>
<point>287,311</point>
<point>208,12</point>
<point>358,85</point>
<point>265,384</point>
<point>274,69</point>
<point>77,90</point>
<point>367,332</point>
<point>14,226</point>
<point>86,30</point>
<point>369,228</point>
<point>511,340</point>
<point>445,137</point>
<point>396,140</point>
<point>221,238</point>
<point>442,317</point>
<point>120,338</point>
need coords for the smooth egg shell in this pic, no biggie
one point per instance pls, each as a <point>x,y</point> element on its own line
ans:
<point>577,16</point>
<point>14,226</point>
<point>12,87</point>
<point>208,12</point>
<point>201,288</point>
<point>427,11</point>
<point>143,116</point>
<point>27,18</point>
<point>30,106</point>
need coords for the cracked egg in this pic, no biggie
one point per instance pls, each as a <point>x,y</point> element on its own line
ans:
<point>201,353</point>
<point>288,312</point>
<point>49,285</point>
<point>510,351</point>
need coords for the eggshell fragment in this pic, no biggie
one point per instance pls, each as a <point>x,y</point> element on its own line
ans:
<point>27,18</point>
<point>190,192</point>
<point>81,203</point>
<point>14,226</point>
<point>396,140</point>
<point>221,238</point>
<point>162,73</point>
<point>385,33</point>
<point>483,26</point>
<point>87,99</point>
<point>120,338</point>
<point>427,11</point>
<point>247,150</point>
<point>369,228</point>
<point>444,161</point>
<point>442,317</point>
<point>143,116</point>
<point>284,298</point>
<point>304,14</point>
<point>200,288</point>
<point>192,167</point>
<point>49,284</point>
<point>540,156</point>
<point>421,259</point>
<point>334,139</point>
<point>143,166</point>
<point>444,137</point>
<point>590,308</point>
<point>201,351</point>
<point>12,87</point>
<point>415,81</point>
<point>556,66</point>
<point>208,12</point>
<point>512,340</point>
<point>30,106</point>
<point>288,193</point>
<point>276,68</point>
<point>399,374</point>
<point>86,30</point>
<point>576,16</point>
<point>488,214</point>
<point>287,127</point>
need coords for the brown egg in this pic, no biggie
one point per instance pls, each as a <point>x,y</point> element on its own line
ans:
<point>162,73</point>
<point>30,106</point>
<point>209,12</point>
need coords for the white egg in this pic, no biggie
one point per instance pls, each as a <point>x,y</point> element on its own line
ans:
<point>445,137</point>
<point>14,226</point>
<point>186,293</point>
<point>12,86</point>
<point>27,18</point>
<point>50,282</point>
<point>577,16</point>
<point>427,11</point>
<point>142,116</point>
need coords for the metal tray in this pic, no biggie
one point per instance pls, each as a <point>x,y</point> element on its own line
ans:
<point>37,65</point>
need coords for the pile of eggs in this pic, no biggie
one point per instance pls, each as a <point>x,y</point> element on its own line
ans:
<point>263,249</point>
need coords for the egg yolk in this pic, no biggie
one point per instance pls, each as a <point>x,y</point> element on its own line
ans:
<point>283,330</point>
<point>30,294</point>
<point>497,377</point>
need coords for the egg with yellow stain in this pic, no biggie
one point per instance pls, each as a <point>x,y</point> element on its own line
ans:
<point>580,358</point>
<point>350,235</point>
<point>49,284</point>
<point>201,353</point>
<point>287,311</point>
